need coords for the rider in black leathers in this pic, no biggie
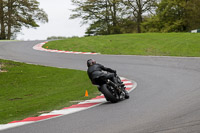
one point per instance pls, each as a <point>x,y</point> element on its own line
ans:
<point>96,74</point>
<point>98,77</point>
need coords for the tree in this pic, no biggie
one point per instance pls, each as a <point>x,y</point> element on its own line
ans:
<point>112,16</point>
<point>137,8</point>
<point>192,16</point>
<point>18,13</point>
<point>175,16</point>
<point>103,15</point>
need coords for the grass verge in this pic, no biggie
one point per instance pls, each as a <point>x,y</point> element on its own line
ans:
<point>158,44</point>
<point>29,90</point>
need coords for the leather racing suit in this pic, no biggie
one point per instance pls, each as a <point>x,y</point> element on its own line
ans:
<point>98,76</point>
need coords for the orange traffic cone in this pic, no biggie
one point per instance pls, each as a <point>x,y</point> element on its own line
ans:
<point>86,93</point>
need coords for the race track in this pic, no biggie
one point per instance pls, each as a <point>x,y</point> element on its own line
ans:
<point>166,100</point>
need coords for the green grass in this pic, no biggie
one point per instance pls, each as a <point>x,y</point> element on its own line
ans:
<point>29,90</point>
<point>158,44</point>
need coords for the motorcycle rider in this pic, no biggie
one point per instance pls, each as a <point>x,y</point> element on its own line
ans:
<point>98,77</point>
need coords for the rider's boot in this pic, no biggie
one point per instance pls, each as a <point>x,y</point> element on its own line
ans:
<point>122,85</point>
<point>126,93</point>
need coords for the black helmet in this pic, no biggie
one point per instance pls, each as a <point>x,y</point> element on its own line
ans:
<point>91,62</point>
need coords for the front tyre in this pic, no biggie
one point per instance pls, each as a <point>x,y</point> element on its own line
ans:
<point>108,94</point>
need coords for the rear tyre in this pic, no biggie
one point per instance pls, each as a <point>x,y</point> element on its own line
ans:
<point>108,94</point>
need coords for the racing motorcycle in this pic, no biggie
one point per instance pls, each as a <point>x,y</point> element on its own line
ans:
<point>114,92</point>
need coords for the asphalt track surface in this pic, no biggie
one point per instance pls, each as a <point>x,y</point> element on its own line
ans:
<point>166,100</point>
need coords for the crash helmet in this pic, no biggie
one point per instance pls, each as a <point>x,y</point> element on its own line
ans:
<point>91,62</point>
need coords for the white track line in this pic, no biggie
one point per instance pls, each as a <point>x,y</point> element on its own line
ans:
<point>39,47</point>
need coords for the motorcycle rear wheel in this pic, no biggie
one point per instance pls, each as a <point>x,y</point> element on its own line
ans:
<point>108,94</point>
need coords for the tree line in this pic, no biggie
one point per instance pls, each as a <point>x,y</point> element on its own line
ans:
<point>128,16</point>
<point>17,13</point>
<point>107,16</point>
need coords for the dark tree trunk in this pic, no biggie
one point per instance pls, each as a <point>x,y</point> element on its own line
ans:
<point>10,3</point>
<point>114,18</point>
<point>2,23</point>
<point>139,21</point>
<point>139,16</point>
<point>107,19</point>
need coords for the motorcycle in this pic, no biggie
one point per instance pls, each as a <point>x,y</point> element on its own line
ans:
<point>114,92</point>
